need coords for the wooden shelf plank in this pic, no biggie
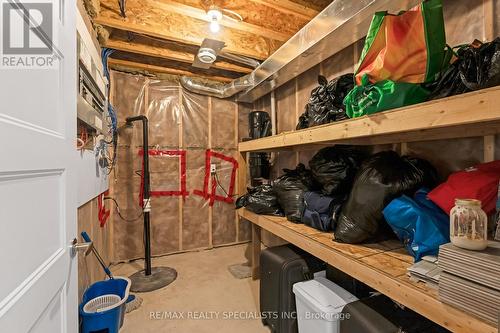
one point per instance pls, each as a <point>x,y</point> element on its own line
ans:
<point>472,114</point>
<point>382,267</point>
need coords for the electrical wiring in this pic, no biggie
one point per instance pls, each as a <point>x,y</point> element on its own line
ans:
<point>218,182</point>
<point>105,53</point>
<point>117,208</point>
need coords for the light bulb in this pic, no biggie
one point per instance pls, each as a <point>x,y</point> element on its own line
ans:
<point>214,27</point>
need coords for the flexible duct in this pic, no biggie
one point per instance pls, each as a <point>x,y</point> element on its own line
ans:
<point>217,90</point>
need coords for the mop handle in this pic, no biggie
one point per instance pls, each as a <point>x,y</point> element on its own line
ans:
<point>86,238</point>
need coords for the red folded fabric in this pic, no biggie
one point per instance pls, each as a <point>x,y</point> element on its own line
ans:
<point>479,182</point>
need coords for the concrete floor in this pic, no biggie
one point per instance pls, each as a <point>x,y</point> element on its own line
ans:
<point>202,298</point>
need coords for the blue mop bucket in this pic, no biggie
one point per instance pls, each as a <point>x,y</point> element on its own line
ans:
<point>103,305</point>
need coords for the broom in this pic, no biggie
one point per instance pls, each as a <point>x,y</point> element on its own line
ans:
<point>133,301</point>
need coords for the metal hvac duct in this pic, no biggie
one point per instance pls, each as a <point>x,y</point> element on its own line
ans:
<point>339,25</point>
<point>218,89</point>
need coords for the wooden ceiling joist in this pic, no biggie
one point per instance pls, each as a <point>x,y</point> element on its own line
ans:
<point>200,14</point>
<point>126,64</point>
<point>289,7</point>
<point>143,18</point>
<point>168,54</point>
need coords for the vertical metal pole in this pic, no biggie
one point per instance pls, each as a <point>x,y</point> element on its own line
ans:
<point>146,193</point>
<point>147,223</point>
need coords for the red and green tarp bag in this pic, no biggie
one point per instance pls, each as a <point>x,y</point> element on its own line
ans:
<point>407,47</point>
<point>370,98</point>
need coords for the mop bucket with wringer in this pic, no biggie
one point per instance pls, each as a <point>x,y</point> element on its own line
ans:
<point>103,305</point>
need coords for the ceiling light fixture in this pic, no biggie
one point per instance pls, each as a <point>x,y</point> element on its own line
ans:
<point>214,15</point>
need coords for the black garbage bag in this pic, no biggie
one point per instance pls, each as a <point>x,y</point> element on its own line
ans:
<point>261,200</point>
<point>325,104</point>
<point>382,177</point>
<point>334,168</point>
<point>480,66</point>
<point>290,189</point>
<point>477,66</point>
<point>303,121</point>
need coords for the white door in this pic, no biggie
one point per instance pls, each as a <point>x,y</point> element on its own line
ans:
<point>38,275</point>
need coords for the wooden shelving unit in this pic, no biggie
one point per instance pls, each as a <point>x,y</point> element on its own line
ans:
<point>382,266</point>
<point>472,114</point>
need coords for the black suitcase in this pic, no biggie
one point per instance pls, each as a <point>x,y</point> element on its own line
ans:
<point>379,314</point>
<point>280,268</point>
<point>357,317</point>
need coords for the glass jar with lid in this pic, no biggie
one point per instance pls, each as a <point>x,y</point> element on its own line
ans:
<point>468,225</point>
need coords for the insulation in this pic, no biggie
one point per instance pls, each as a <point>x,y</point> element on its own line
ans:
<point>178,121</point>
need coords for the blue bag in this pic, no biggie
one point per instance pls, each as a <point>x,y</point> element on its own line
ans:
<point>419,223</point>
<point>321,211</point>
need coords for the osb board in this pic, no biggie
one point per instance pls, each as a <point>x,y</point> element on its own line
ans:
<point>194,120</point>
<point>144,17</point>
<point>195,215</point>
<point>223,120</point>
<point>464,21</point>
<point>256,14</point>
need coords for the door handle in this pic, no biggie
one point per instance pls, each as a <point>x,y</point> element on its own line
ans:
<point>77,247</point>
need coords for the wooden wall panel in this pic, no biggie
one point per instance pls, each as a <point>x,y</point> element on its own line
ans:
<point>340,63</point>
<point>244,110</point>
<point>449,155</point>
<point>285,109</point>
<point>464,21</point>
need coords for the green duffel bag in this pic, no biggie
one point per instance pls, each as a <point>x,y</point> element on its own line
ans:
<point>370,98</point>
